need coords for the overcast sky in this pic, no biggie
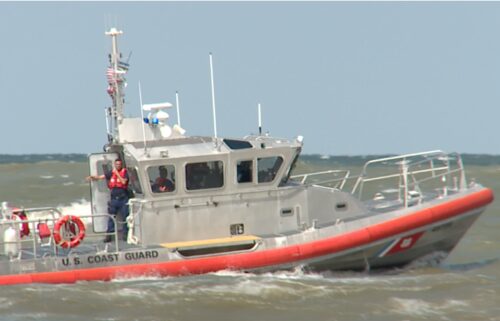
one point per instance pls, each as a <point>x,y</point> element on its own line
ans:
<point>352,78</point>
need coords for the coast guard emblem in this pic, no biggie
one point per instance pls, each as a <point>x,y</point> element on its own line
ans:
<point>401,244</point>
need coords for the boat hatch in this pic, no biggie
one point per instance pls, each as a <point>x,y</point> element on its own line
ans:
<point>100,163</point>
<point>214,246</point>
<point>237,144</point>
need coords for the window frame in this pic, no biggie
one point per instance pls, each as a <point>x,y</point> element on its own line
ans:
<point>173,180</point>
<point>223,172</point>
<point>253,181</point>
<point>130,170</point>
<point>276,175</point>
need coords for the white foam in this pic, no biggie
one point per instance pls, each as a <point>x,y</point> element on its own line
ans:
<point>413,307</point>
<point>254,288</point>
<point>283,283</point>
<point>5,303</point>
<point>132,292</point>
<point>126,279</point>
<point>78,208</point>
<point>230,273</point>
<point>417,307</point>
<point>47,176</point>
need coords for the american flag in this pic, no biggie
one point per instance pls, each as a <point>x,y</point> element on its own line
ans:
<point>111,75</point>
<point>114,75</point>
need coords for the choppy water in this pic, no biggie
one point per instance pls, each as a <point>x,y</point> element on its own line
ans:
<point>465,287</point>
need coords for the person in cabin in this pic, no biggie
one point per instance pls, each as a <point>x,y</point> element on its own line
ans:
<point>244,172</point>
<point>117,180</point>
<point>162,183</point>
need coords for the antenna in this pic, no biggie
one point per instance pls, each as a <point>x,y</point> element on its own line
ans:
<point>260,119</point>
<point>142,117</point>
<point>107,114</point>
<point>213,95</point>
<point>177,106</point>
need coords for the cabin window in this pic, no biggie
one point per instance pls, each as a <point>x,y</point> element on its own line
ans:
<point>286,177</point>
<point>204,175</point>
<point>244,171</point>
<point>268,167</point>
<point>134,181</point>
<point>162,178</point>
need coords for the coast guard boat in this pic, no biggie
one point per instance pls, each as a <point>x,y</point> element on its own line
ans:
<point>234,204</point>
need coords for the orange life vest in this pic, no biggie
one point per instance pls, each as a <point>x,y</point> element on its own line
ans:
<point>114,182</point>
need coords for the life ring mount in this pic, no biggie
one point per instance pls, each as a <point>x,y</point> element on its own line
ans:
<point>73,230</point>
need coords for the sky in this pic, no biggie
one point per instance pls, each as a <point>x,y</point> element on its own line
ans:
<point>352,78</point>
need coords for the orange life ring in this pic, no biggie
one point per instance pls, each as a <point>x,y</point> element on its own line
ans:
<point>69,222</point>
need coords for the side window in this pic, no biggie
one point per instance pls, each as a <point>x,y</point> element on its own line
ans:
<point>162,178</point>
<point>289,171</point>
<point>268,167</point>
<point>134,182</point>
<point>204,175</point>
<point>244,171</point>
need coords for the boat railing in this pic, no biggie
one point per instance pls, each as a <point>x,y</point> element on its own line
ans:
<point>35,237</point>
<point>411,178</point>
<point>330,178</point>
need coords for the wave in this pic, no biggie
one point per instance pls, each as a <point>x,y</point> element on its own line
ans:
<point>78,208</point>
<point>423,308</point>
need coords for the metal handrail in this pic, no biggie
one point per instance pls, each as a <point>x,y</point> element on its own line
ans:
<point>406,168</point>
<point>342,179</point>
<point>37,241</point>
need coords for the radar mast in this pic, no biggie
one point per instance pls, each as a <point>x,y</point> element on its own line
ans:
<point>116,83</point>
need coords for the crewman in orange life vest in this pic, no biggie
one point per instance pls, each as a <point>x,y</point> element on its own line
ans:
<point>118,204</point>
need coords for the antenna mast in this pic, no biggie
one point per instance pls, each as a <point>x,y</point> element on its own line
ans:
<point>142,117</point>
<point>260,119</point>
<point>116,83</point>
<point>213,95</point>
<point>177,106</point>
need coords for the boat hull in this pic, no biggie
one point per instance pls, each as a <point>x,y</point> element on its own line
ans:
<point>386,243</point>
<point>398,251</point>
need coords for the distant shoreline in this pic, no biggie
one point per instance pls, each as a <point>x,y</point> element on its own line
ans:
<point>468,159</point>
<point>37,158</point>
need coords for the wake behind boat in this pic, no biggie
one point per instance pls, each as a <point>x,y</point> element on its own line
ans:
<point>204,204</point>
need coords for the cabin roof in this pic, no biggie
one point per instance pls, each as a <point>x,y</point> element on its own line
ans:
<point>195,146</point>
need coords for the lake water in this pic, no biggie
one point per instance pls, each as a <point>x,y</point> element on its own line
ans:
<point>466,286</point>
